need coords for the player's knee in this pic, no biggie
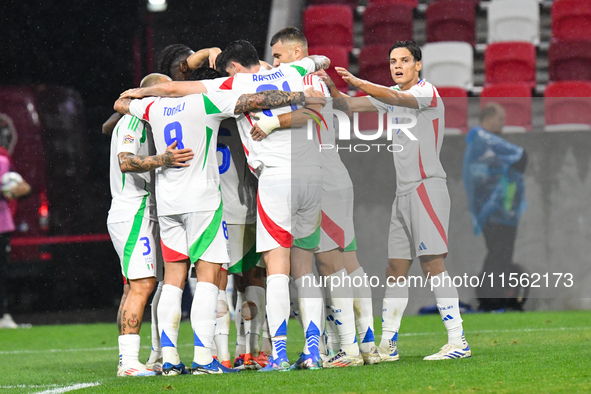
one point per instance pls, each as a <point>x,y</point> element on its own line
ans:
<point>249,310</point>
<point>222,308</point>
<point>143,287</point>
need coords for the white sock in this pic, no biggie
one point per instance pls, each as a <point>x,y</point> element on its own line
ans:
<point>311,302</point>
<point>203,317</point>
<point>239,322</point>
<point>266,345</point>
<point>156,352</point>
<point>446,296</point>
<point>278,313</point>
<point>169,318</point>
<point>333,342</point>
<point>395,301</point>
<point>342,310</point>
<point>362,305</point>
<point>129,349</point>
<point>222,328</point>
<point>256,296</point>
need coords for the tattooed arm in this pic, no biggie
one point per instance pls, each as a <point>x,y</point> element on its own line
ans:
<point>122,106</point>
<point>128,162</point>
<point>321,62</point>
<point>268,99</point>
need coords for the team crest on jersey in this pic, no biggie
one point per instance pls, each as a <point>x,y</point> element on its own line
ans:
<point>128,139</point>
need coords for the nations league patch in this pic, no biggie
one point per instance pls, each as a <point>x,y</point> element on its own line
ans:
<point>128,139</point>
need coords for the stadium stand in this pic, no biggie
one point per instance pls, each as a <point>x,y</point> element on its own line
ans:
<point>339,56</point>
<point>567,106</point>
<point>412,3</point>
<point>571,19</point>
<point>451,20</point>
<point>510,20</point>
<point>569,60</point>
<point>329,25</point>
<point>510,62</point>
<point>516,98</point>
<point>456,109</point>
<point>385,23</point>
<point>350,3</point>
<point>448,64</point>
<point>374,64</point>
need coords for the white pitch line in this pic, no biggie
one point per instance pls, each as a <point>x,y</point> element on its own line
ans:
<point>69,388</point>
<point>28,386</point>
<point>409,334</point>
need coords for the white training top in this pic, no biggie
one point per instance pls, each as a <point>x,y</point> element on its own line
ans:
<point>286,148</point>
<point>334,173</point>
<point>132,192</point>
<point>193,121</point>
<point>419,159</point>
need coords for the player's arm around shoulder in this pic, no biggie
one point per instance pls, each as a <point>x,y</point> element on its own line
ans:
<point>172,157</point>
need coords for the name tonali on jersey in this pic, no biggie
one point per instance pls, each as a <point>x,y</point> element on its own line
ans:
<point>283,148</point>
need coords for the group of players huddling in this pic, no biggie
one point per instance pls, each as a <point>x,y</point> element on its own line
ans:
<point>286,206</point>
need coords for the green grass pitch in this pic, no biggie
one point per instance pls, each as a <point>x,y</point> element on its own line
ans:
<point>533,352</point>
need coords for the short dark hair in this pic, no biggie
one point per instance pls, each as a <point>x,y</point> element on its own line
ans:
<point>289,34</point>
<point>490,110</point>
<point>412,47</point>
<point>240,51</point>
<point>204,73</point>
<point>171,54</point>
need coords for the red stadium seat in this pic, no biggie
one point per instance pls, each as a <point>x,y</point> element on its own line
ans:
<point>568,60</point>
<point>412,3</point>
<point>516,98</point>
<point>339,57</point>
<point>329,25</point>
<point>510,62</point>
<point>571,19</point>
<point>350,3</point>
<point>567,106</point>
<point>385,23</point>
<point>456,109</point>
<point>451,20</point>
<point>374,64</point>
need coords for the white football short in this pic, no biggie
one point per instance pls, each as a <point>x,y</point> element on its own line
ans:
<point>195,236</point>
<point>419,222</point>
<point>243,254</point>
<point>137,243</point>
<point>337,229</point>
<point>288,208</point>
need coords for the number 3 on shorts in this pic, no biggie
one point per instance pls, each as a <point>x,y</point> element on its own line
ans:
<point>146,241</point>
<point>225,227</point>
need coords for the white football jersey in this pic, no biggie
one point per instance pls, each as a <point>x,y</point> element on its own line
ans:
<point>285,148</point>
<point>418,159</point>
<point>131,192</point>
<point>334,173</point>
<point>193,121</point>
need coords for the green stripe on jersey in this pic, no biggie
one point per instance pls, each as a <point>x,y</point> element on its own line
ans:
<point>133,235</point>
<point>122,181</point>
<point>210,107</point>
<point>300,69</point>
<point>144,136</point>
<point>310,242</point>
<point>352,246</point>
<point>204,241</point>
<point>250,259</point>
<point>208,134</point>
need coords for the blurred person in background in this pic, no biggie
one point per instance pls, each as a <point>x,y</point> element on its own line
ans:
<point>493,178</point>
<point>13,188</point>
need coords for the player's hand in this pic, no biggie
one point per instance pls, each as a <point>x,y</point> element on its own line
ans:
<point>132,93</point>
<point>264,126</point>
<point>265,65</point>
<point>177,157</point>
<point>320,73</point>
<point>213,54</point>
<point>315,97</point>
<point>348,77</point>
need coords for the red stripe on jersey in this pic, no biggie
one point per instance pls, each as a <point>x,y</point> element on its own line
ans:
<point>434,101</point>
<point>249,119</point>
<point>427,204</point>
<point>146,115</point>
<point>171,255</point>
<point>333,230</point>
<point>421,169</point>
<point>436,130</point>
<point>283,237</point>
<point>227,85</point>
<point>124,280</point>
<point>245,150</point>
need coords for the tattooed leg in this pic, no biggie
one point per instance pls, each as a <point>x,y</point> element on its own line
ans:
<point>133,310</point>
<point>121,304</point>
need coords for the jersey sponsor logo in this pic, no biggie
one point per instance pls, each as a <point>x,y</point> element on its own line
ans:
<point>128,139</point>
<point>170,111</point>
<point>269,77</point>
